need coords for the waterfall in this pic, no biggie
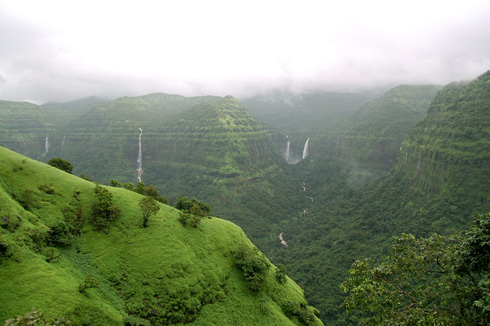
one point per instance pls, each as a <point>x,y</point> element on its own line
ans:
<point>139,170</point>
<point>283,242</point>
<point>46,146</point>
<point>305,150</point>
<point>63,143</point>
<point>287,149</point>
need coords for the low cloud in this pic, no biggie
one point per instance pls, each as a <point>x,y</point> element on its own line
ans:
<point>239,49</point>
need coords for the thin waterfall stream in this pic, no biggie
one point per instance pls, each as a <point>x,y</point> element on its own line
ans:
<point>139,162</point>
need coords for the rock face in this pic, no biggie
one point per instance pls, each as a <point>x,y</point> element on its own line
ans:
<point>448,152</point>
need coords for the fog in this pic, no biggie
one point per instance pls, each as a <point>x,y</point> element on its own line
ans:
<point>63,50</point>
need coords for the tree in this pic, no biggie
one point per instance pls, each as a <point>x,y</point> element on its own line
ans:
<point>149,207</point>
<point>440,280</point>
<point>61,164</point>
<point>193,206</point>
<point>103,211</point>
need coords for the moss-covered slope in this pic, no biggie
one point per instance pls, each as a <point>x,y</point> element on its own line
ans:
<point>52,259</point>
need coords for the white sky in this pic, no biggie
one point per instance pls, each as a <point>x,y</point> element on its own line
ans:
<point>61,50</point>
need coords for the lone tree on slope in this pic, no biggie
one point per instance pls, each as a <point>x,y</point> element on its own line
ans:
<point>61,164</point>
<point>149,207</point>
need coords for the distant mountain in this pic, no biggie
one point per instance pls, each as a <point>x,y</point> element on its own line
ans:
<point>53,260</point>
<point>26,126</point>
<point>22,127</point>
<point>213,139</point>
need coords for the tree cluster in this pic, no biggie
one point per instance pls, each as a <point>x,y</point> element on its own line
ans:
<point>439,280</point>
<point>140,188</point>
<point>192,211</point>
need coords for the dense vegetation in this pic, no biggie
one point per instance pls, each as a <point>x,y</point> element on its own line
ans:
<point>406,162</point>
<point>74,250</point>
<point>433,187</point>
<point>440,280</point>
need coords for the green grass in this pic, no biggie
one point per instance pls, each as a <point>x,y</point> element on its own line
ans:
<point>166,273</point>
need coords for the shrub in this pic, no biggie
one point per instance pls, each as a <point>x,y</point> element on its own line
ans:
<point>61,164</point>
<point>47,189</point>
<point>90,282</point>
<point>254,266</point>
<point>189,219</point>
<point>193,206</point>
<point>281,274</point>
<point>103,211</point>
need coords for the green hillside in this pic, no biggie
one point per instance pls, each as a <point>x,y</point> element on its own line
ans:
<point>439,179</point>
<point>26,127</point>
<point>53,259</point>
<point>22,128</point>
<point>207,147</point>
<point>210,138</point>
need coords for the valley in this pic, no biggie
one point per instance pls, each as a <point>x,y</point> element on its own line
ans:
<point>316,181</point>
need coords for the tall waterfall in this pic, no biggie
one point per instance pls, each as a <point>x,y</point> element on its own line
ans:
<point>46,146</point>
<point>305,150</point>
<point>287,149</point>
<point>63,143</point>
<point>139,170</point>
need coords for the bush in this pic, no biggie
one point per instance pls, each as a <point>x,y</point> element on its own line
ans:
<point>254,266</point>
<point>189,219</point>
<point>60,235</point>
<point>90,282</point>
<point>47,189</point>
<point>281,274</point>
<point>61,164</point>
<point>135,321</point>
<point>103,211</point>
<point>193,206</point>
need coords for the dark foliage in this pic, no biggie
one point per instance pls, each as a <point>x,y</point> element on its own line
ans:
<point>61,164</point>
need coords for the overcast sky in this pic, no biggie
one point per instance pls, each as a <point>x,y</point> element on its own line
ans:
<point>63,50</point>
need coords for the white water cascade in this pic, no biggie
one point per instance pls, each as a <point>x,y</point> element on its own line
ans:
<point>305,149</point>
<point>46,146</point>
<point>139,170</point>
<point>283,242</point>
<point>63,143</point>
<point>287,149</point>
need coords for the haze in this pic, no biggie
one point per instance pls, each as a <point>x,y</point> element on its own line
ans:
<point>62,50</point>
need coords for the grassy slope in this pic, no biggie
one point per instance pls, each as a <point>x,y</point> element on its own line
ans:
<point>163,271</point>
